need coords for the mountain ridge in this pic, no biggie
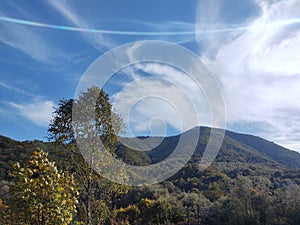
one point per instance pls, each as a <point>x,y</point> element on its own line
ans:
<point>253,148</point>
<point>238,152</point>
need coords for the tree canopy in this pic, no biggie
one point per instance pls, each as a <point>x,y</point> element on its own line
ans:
<point>41,193</point>
<point>88,119</point>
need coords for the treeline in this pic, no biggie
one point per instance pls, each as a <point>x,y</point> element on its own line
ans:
<point>39,193</point>
<point>246,202</point>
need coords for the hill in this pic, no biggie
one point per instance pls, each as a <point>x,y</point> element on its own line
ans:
<point>237,149</point>
<point>251,181</point>
<point>276,152</point>
<point>238,152</point>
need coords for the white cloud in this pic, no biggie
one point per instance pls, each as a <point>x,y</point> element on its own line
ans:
<point>260,72</point>
<point>39,111</point>
<point>168,97</point>
<point>97,40</point>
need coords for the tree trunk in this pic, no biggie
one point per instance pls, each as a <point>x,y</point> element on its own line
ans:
<point>89,199</point>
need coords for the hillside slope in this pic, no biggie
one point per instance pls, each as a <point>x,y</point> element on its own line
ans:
<point>276,152</point>
<point>236,149</point>
<point>239,152</point>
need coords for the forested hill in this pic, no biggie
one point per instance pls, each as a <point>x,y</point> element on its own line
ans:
<point>239,151</point>
<point>251,181</point>
<point>276,152</point>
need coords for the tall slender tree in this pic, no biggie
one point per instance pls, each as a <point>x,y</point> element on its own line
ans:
<point>89,119</point>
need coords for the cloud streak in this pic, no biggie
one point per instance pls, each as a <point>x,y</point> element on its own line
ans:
<point>15,89</point>
<point>97,40</point>
<point>27,41</point>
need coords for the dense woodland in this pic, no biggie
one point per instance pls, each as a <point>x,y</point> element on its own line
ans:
<point>252,181</point>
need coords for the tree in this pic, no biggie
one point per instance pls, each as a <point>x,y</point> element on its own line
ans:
<point>42,194</point>
<point>287,205</point>
<point>3,208</point>
<point>60,128</point>
<point>129,214</point>
<point>196,206</point>
<point>87,119</point>
<point>214,191</point>
<point>94,117</point>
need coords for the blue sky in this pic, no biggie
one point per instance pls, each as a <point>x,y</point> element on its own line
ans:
<point>252,46</point>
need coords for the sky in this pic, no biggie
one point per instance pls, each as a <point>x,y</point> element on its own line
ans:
<point>250,46</point>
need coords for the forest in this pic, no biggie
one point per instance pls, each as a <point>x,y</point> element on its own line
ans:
<point>251,181</point>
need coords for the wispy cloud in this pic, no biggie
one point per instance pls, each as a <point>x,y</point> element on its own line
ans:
<point>36,109</point>
<point>31,41</point>
<point>219,15</point>
<point>260,72</point>
<point>28,41</point>
<point>39,112</point>
<point>15,89</point>
<point>96,40</point>
<point>182,32</point>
